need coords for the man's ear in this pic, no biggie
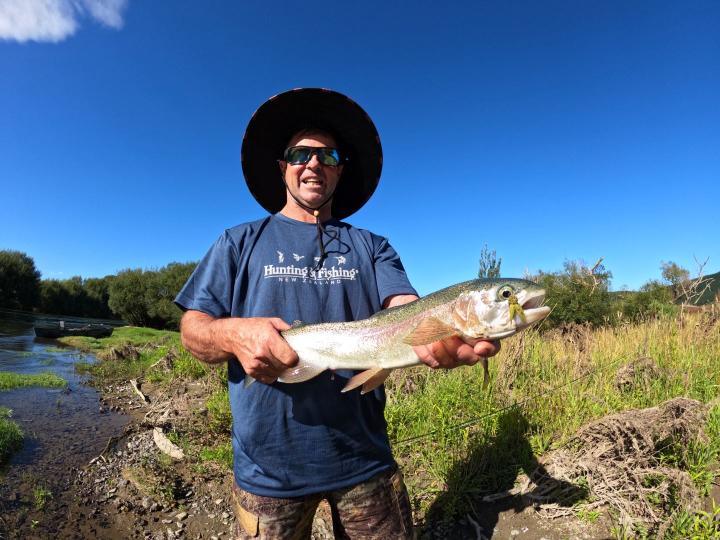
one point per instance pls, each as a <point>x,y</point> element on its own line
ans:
<point>283,165</point>
<point>340,170</point>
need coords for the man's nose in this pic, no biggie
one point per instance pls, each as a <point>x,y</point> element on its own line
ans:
<point>314,162</point>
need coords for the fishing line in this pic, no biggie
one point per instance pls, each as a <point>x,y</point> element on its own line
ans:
<point>522,403</point>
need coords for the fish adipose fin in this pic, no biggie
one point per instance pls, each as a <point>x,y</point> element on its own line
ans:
<point>428,331</point>
<point>370,379</point>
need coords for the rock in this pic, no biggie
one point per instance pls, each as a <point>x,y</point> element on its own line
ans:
<point>225,515</point>
<point>181,515</point>
<point>219,501</point>
<point>167,521</point>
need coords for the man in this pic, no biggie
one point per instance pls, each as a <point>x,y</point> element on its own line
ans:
<point>310,157</point>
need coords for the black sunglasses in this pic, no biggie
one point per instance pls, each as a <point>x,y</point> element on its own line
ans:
<point>299,155</point>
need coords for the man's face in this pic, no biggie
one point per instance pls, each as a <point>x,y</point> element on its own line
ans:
<point>312,182</point>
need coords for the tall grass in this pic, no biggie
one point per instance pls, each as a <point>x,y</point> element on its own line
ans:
<point>456,438</point>
<point>11,435</point>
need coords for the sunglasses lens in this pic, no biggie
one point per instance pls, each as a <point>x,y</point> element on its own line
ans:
<point>328,156</point>
<point>298,155</point>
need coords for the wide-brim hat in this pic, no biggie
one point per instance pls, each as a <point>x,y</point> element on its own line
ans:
<point>283,115</point>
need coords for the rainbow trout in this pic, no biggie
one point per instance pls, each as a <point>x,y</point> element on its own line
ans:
<point>479,309</point>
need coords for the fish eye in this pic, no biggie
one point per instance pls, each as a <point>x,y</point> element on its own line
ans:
<point>505,292</point>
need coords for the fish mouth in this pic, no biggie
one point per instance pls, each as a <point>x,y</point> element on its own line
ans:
<point>533,308</point>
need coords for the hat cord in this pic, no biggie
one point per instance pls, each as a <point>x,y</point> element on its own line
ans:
<point>320,229</point>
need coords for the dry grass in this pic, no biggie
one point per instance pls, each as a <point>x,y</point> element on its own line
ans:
<point>459,443</point>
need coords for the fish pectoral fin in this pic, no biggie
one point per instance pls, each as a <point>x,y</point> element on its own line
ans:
<point>370,379</point>
<point>248,381</point>
<point>300,373</point>
<point>429,330</point>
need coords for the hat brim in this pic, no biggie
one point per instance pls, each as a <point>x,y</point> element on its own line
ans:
<point>283,115</point>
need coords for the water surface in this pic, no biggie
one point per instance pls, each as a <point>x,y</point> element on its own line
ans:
<point>64,428</point>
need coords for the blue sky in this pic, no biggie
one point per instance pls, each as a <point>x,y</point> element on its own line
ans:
<point>547,130</point>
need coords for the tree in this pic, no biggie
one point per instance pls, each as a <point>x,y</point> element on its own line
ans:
<point>128,296</point>
<point>686,290</point>
<point>145,297</point>
<point>489,264</point>
<point>161,292</point>
<point>76,296</point>
<point>98,294</point>
<point>19,281</point>
<point>578,294</point>
<point>654,299</point>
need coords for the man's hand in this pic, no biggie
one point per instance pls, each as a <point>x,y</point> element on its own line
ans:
<point>255,342</point>
<point>453,352</point>
<point>448,353</point>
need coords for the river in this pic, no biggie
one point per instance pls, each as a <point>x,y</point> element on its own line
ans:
<point>64,430</point>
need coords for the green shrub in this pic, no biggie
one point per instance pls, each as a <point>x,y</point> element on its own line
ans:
<point>578,294</point>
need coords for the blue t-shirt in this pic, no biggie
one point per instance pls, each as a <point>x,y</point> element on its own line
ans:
<point>297,439</point>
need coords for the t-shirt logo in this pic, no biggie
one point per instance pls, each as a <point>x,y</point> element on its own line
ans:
<point>304,274</point>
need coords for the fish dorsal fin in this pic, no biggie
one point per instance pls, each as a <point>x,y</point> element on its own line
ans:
<point>429,330</point>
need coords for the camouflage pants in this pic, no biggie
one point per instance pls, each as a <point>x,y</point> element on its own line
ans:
<point>376,509</point>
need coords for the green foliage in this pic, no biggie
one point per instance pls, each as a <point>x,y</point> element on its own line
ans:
<point>220,416</point>
<point>653,300</point>
<point>675,275</point>
<point>75,296</point>
<point>41,496</point>
<point>578,294</point>
<point>127,294</point>
<point>489,263</point>
<point>696,526</point>
<point>221,454</point>
<point>19,281</point>
<point>145,297</point>
<point>11,435</point>
<point>162,288</point>
<point>9,380</point>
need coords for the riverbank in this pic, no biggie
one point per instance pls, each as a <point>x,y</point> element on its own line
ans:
<point>468,453</point>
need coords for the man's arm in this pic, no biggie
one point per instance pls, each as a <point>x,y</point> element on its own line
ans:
<point>255,342</point>
<point>451,352</point>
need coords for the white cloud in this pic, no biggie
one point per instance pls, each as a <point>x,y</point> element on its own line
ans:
<point>54,20</point>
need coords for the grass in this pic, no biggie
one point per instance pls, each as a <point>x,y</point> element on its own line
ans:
<point>41,496</point>
<point>10,380</point>
<point>221,454</point>
<point>136,352</point>
<point>458,439</point>
<point>11,436</point>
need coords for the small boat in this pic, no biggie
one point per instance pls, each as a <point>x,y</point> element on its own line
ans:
<point>63,329</point>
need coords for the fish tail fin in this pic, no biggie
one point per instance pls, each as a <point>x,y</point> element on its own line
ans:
<point>370,379</point>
